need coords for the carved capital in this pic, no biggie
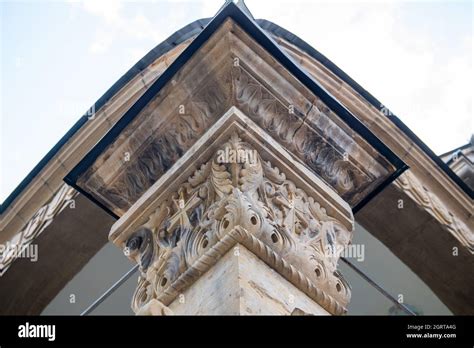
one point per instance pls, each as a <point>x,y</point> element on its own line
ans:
<point>240,193</point>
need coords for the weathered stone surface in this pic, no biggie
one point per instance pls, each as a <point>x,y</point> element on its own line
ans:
<point>205,205</point>
<point>242,284</point>
<point>436,215</point>
<point>417,236</point>
<point>451,212</point>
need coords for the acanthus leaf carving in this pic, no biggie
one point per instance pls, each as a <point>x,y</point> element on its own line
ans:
<point>252,195</point>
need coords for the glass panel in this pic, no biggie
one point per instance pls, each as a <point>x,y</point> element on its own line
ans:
<point>388,271</point>
<point>118,303</point>
<point>366,300</point>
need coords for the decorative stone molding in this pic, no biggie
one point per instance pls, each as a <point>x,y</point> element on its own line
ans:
<point>191,217</point>
<point>206,86</point>
<point>309,138</point>
<point>43,217</point>
<point>445,275</point>
<point>413,187</point>
<point>163,149</point>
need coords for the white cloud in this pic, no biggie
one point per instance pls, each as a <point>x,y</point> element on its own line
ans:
<point>116,23</point>
<point>109,10</point>
<point>102,42</point>
<point>402,64</point>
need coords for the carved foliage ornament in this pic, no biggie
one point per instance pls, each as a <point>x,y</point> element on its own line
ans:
<point>302,140</point>
<point>251,195</point>
<point>35,226</point>
<point>165,147</point>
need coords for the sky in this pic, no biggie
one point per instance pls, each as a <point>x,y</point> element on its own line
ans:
<point>58,57</point>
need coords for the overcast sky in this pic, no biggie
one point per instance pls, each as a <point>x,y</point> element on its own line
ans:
<point>57,58</point>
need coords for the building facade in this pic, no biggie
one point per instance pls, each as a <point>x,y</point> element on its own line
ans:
<point>236,170</point>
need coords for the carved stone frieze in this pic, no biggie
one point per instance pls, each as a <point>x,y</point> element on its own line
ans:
<point>143,163</point>
<point>318,151</point>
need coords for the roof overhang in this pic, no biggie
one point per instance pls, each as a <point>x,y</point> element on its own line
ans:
<point>317,129</point>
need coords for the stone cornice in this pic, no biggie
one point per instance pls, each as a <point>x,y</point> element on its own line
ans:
<point>233,120</point>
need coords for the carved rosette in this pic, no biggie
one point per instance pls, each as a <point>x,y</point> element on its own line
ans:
<point>236,197</point>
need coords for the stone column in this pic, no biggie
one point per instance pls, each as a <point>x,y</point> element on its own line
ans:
<point>237,226</point>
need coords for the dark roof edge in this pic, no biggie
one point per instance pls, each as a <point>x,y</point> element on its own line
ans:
<point>174,40</point>
<point>305,47</point>
<point>451,152</point>
<point>460,154</point>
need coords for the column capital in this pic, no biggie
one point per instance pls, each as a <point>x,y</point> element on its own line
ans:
<point>237,186</point>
